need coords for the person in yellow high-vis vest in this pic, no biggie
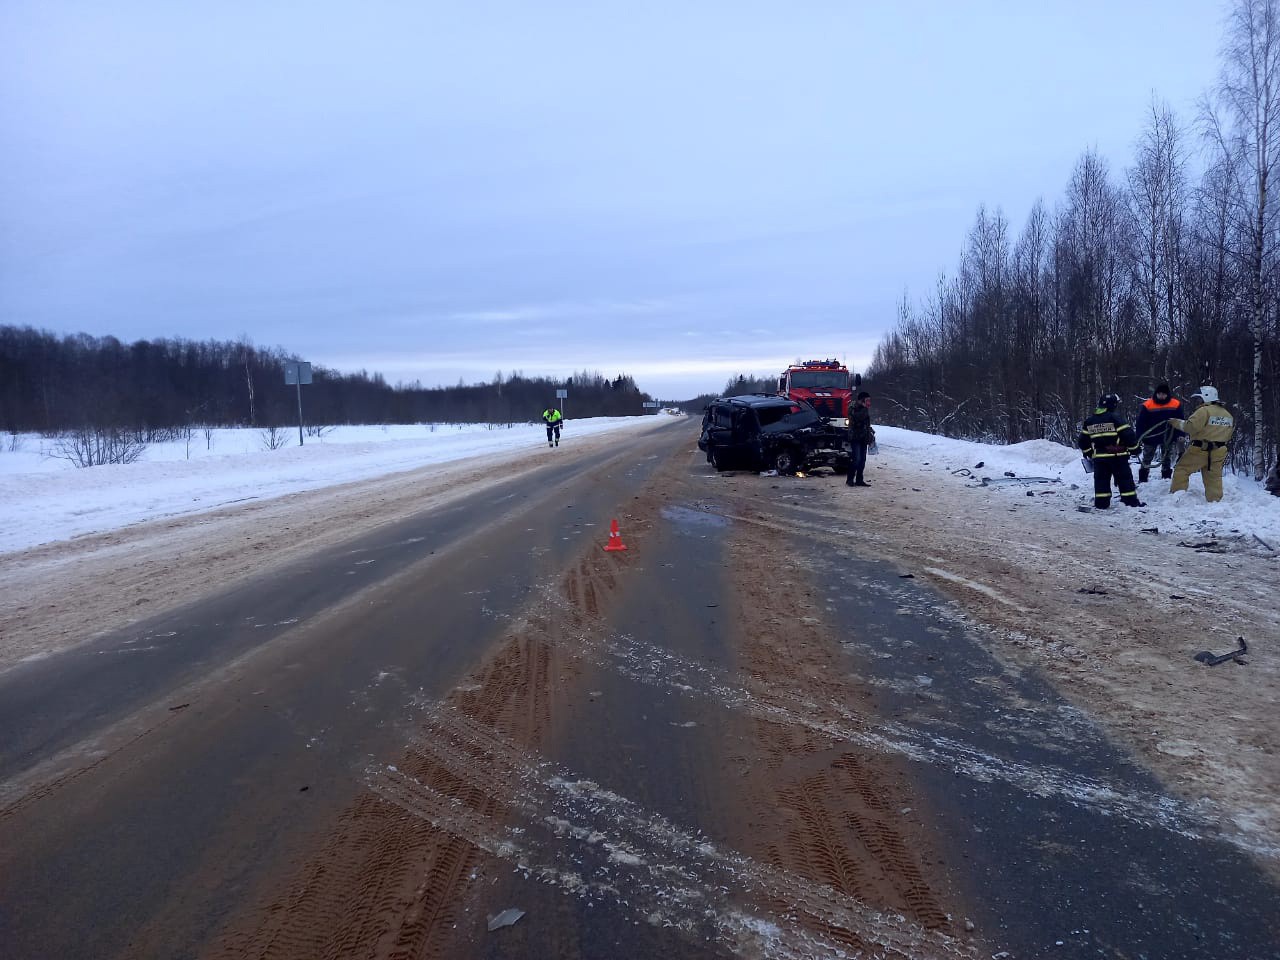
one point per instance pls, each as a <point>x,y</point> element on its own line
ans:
<point>1209,429</point>
<point>553,418</point>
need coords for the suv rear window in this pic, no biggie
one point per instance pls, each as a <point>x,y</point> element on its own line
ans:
<point>783,418</point>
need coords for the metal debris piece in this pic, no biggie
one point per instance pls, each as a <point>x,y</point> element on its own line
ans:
<point>505,919</point>
<point>1204,546</point>
<point>992,481</point>
<point>1264,543</point>
<point>1095,590</point>
<point>1213,659</point>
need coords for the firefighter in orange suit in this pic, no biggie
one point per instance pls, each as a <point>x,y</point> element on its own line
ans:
<point>1209,429</point>
<point>1154,431</point>
<point>1108,442</point>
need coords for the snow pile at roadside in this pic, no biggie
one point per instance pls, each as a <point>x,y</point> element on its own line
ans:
<point>43,499</point>
<point>1246,510</point>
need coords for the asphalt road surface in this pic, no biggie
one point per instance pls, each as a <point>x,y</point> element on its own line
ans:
<point>735,738</point>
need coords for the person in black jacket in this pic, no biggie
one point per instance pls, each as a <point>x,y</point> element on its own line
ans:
<point>1155,430</point>
<point>861,436</point>
<point>1108,442</point>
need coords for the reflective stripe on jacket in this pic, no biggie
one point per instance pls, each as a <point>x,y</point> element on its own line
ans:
<point>1106,434</point>
<point>1212,423</point>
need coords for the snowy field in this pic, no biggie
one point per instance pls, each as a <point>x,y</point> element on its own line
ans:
<point>1246,508</point>
<point>45,499</point>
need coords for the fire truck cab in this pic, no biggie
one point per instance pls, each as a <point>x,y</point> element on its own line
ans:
<point>825,384</point>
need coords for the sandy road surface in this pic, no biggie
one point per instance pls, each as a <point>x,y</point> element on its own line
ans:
<point>633,756</point>
<point>183,828</point>
<point>679,750</point>
<point>61,594</point>
<point>1111,615</point>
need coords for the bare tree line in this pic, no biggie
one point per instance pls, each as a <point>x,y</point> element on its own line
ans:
<point>147,390</point>
<point>737,385</point>
<point>1153,275</point>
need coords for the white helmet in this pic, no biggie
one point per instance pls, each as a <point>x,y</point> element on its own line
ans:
<point>1207,394</point>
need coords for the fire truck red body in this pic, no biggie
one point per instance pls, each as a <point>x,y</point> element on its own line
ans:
<point>824,383</point>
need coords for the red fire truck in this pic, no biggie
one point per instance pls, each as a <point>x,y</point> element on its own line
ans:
<point>825,384</point>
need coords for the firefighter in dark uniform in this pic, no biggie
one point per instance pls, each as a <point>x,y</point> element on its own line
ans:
<point>1108,442</point>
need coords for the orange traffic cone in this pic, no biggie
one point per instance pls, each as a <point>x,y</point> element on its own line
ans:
<point>615,538</point>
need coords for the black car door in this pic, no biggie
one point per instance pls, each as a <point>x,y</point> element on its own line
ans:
<point>745,446</point>
<point>717,433</point>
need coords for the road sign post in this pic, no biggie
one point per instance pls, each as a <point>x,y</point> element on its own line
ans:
<point>560,395</point>
<point>296,373</point>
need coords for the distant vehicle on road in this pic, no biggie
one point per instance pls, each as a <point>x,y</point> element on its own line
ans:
<point>767,432</point>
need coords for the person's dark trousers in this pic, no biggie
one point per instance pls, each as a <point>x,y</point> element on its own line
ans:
<point>1102,482</point>
<point>1149,454</point>
<point>1104,468</point>
<point>857,463</point>
<point>1124,480</point>
<point>553,432</point>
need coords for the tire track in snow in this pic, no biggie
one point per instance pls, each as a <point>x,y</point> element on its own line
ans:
<point>594,844</point>
<point>776,703</point>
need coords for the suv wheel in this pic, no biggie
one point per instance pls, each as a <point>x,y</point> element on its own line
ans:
<point>786,461</point>
<point>716,459</point>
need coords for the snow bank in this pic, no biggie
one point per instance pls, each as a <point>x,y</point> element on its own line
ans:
<point>1246,508</point>
<point>43,498</point>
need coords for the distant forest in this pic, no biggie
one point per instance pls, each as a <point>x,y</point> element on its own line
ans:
<point>51,384</point>
<point>736,386</point>
<point>1131,280</point>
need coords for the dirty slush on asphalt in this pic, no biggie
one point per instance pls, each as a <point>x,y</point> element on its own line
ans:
<point>1063,844</point>
<point>733,739</point>
<point>655,760</point>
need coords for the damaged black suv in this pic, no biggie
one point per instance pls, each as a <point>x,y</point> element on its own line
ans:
<point>768,432</point>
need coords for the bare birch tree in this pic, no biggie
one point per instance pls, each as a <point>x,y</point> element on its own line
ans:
<point>1092,236</point>
<point>1243,123</point>
<point>1157,193</point>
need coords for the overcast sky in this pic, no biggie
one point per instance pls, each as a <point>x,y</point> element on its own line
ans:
<point>437,191</point>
